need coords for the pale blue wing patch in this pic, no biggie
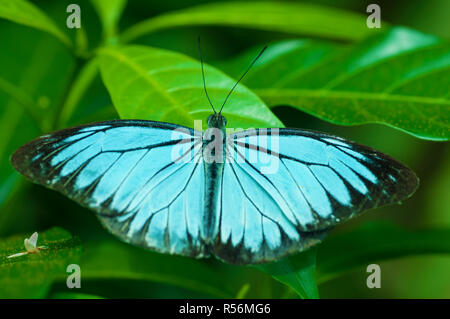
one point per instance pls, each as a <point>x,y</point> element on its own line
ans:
<point>313,191</point>
<point>332,183</point>
<point>95,169</point>
<point>115,175</point>
<point>94,128</point>
<point>74,147</point>
<point>349,175</point>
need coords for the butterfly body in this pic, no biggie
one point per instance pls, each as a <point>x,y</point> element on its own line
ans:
<point>214,159</point>
<point>247,197</point>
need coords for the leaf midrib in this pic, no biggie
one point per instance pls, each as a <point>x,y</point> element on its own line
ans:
<point>382,96</point>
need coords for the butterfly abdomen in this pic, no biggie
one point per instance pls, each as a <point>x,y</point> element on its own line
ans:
<point>214,159</point>
<point>213,174</point>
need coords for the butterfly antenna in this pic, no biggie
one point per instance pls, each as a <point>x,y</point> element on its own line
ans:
<point>203,75</point>
<point>242,76</point>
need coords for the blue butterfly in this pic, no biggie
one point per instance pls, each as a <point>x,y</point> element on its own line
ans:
<point>247,197</point>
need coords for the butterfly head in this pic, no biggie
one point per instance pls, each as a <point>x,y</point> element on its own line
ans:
<point>217,120</point>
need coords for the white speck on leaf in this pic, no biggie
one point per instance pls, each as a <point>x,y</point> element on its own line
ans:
<point>30,246</point>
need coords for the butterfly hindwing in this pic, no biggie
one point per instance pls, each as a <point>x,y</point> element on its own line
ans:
<point>143,178</point>
<point>282,189</point>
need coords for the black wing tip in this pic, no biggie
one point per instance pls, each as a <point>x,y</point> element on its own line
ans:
<point>406,180</point>
<point>18,159</point>
<point>411,182</point>
<point>21,159</point>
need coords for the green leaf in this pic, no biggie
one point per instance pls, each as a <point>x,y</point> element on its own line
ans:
<point>30,276</point>
<point>160,85</point>
<point>109,12</point>
<point>291,18</point>
<point>376,242</point>
<point>399,78</point>
<point>296,271</point>
<point>73,295</point>
<point>26,13</point>
<point>111,259</point>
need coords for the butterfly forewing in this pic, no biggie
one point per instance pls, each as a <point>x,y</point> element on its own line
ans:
<point>144,189</point>
<point>283,188</point>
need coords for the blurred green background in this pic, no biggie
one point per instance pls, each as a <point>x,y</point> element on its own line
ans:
<point>42,66</point>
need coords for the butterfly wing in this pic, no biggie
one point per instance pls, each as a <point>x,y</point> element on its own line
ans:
<point>284,188</point>
<point>143,178</point>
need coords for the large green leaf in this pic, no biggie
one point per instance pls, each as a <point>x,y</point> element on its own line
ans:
<point>375,242</point>
<point>291,18</point>
<point>399,78</point>
<point>160,85</point>
<point>30,276</point>
<point>26,13</point>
